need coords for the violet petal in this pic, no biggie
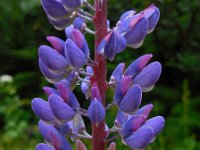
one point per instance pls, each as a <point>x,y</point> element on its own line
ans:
<point>71,5</point>
<point>121,118</point>
<point>137,65</point>
<point>49,90</point>
<point>52,59</point>
<point>131,100</point>
<point>121,89</point>
<point>79,23</point>
<point>96,112</point>
<point>54,9</point>
<point>137,32</point>
<point>156,123</point>
<point>42,146</point>
<point>78,38</point>
<point>148,76</point>
<point>42,109</point>
<point>116,75</point>
<point>152,13</point>
<point>51,77</point>
<point>62,111</point>
<point>57,43</point>
<point>72,52</point>
<point>145,110</point>
<point>132,125</point>
<point>140,139</point>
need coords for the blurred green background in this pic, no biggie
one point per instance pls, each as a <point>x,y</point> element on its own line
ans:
<point>175,43</point>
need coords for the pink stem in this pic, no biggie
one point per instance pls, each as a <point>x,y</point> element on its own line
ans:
<point>100,70</point>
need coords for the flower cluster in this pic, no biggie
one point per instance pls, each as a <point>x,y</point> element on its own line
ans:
<point>67,63</point>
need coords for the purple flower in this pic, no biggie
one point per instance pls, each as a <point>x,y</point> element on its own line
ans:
<point>144,75</point>
<point>112,44</point>
<point>79,23</point>
<point>121,89</point>
<point>152,14</point>
<point>95,93</point>
<point>62,24</point>
<point>145,134</point>
<point>134,30</point>
<point>77,37</point>
<point>121,118</point>
<point>42,146</point>
<point>57,43</point>
<point>145,110</point>
<point>117,74</point>
<point>131,101</point>
<point>86,86</point>
<point>42,109</point>
<point>126,15</point>
<point>71,5</point>
<point>132,125</point>
<point>53,136</point>
<point>54,9</point>
<point>55,62</point>
<point>72,52</point>
<point>156,123</point>
<point>64,128</point>
<point>137,65</point>
<point>49,90</point>
<point>61,110</point>
<point>67,95</point>
<point>96,112</point>
<point>50,76</point>
<point>140,139</point>
<point>148,76</point>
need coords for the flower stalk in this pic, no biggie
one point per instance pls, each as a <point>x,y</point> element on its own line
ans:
<point>100,70</point>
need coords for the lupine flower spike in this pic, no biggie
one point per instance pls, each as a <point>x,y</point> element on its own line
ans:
<point>67,64</point>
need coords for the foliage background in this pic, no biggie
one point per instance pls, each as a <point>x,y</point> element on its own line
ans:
<point>175,43</point>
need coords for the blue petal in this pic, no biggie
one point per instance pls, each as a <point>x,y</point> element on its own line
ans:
<point>121,89</point>
<point>137,65</point>
<point>145,110</point>
<point>49,90</point>
<point>152,14</point>
<point>131,100</point>
<point>54,9</point>
<point>156,123</point>
<point>42,109</point>
<point>62,111</point>
<point>57,43</point>
<point>132,125</point>
<point>121,117</point>
<point>51,77</point>
<point>44,129</point>
<point>79,23</point>
<point>137,33</point>
<point>71,5</point>
<point>148,76</point>
<point>74,54</point>
<point>140,139</point>
<point>61,24</point>
<point>42,146</point>
<point>117,73</point>
<point>127,15</point>
<point>96,112</point>
<point>67,95</point>
<point>78,38</point>
<point>95,93</point>
<point>52,59</point>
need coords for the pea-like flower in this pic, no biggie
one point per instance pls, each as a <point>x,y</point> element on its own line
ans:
<point>112,44</point>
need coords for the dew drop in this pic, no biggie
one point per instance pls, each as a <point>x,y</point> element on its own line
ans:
<point>78,82</point>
